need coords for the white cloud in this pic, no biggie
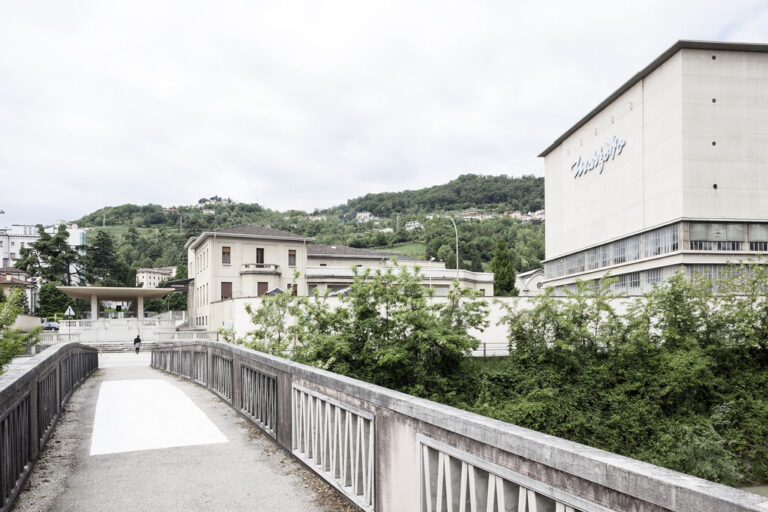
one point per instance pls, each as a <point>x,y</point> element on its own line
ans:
<point>307,104</point>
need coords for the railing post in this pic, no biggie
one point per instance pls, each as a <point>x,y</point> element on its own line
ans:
<point>34,438</point>
<point>209,367</point>
<point>237,399</point>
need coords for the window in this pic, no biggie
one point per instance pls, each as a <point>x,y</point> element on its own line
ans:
<point>291,257</point>
<point>294,289</point>
<point>758,246</point>
<point>653,276</point>
<point>226,290</point>
<point>323,264</point>
<point>226,256</point>
<point>260,256</point>
<point>262,288</point>
<point>660,241</point>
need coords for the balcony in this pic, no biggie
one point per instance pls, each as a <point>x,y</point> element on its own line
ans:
<point>259,268</point>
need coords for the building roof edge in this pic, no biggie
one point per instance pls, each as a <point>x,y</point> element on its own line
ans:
<point>647,70</point>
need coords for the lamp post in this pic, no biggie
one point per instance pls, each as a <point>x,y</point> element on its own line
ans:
<point>455,229</point>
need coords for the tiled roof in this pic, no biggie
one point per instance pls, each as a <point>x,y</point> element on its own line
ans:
<point>10,270</point>
<point>13,281</point>
<point>249,229</point>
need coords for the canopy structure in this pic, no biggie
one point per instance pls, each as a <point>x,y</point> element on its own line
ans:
<point>97,293</point>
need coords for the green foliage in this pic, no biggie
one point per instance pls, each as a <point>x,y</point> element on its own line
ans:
<point>467,191</point>
<point>103,265</point>
<point>272,324</point>
<point>144,236</point>
<point>13,341</point>
<point>678,380</point>
<point>503,270</point>
<point>53,301</point>
<point>49,258</point>
<point>386,333</point>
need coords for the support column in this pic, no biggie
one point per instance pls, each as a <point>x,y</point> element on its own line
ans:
<point>94,307</point>
<point>140,308</point>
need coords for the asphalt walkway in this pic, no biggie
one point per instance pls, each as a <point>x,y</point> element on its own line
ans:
<point>135,439</point>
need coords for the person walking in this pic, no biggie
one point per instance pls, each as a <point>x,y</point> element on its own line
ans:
<point>137,343</point>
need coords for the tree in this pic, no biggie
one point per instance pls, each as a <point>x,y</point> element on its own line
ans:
<point>385,332</point>
<point>503,270</point>
<point>13,341</point>
<point>181,272</point>
<point>100,258</point>
<point>50,258</point>
<point>52,300</point>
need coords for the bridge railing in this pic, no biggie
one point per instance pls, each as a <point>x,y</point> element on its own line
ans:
<point>32,394</point>
<point>388,451</point>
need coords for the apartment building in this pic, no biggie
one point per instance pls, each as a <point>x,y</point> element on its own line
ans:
<point>249,261</point>
<point>152,277</point>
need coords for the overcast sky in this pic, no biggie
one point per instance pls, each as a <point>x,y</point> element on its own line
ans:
<point>307,104</point>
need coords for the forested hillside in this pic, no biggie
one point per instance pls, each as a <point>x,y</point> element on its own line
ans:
<point>153,235</point>
<point>491,193</point>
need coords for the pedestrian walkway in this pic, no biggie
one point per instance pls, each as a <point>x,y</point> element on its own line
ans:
<point>133,438</point>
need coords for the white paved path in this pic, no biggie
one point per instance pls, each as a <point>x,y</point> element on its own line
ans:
<point>135,439</point>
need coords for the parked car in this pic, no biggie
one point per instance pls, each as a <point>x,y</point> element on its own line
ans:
<point>50,326</point>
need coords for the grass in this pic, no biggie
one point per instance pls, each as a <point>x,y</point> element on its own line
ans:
<point>410,249</point>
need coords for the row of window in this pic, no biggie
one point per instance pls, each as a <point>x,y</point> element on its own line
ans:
<point>201,321</point>
<point>653,243</point>
<point>201,261</point>
<point>702,236</point>
<point>201,294</point>
<point>226,256</point>
<point>632,283</point>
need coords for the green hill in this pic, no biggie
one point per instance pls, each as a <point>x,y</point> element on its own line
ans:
<point>151,235</point>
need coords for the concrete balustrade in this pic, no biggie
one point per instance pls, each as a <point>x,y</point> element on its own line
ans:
<point>388,451</point>
<point>32,394</point>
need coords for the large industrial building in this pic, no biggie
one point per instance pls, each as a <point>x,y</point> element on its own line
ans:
<point>670,172</point>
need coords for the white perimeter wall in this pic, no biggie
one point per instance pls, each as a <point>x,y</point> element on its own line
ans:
<point>493,340</point>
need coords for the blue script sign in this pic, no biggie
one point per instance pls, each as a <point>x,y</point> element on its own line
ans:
<point>612,147</point>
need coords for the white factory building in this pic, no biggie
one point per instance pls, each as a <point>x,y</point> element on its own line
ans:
<point>670,172</point>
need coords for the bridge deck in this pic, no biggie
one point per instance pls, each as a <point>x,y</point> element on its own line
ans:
<point>135,439</point>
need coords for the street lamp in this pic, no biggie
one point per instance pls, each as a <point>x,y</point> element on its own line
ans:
<point>455,229</point>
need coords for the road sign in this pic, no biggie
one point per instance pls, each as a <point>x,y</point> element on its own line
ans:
<point>69,311</point>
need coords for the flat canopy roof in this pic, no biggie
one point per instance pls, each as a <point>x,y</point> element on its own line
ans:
<point>113,292</point>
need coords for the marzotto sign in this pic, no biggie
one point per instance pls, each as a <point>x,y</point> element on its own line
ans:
<point>608,151</point>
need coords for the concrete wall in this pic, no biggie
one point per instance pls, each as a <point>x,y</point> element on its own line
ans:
<point>27,322</point>
<point>33,392</point>
<point>737,122</point>
<point>493,340</point>
<point>420,449</point>
<point>637,189</point>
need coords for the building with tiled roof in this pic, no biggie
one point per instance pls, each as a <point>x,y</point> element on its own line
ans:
<point>247,261</point>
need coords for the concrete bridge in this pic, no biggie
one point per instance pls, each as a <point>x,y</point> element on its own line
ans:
<point>210,426</point>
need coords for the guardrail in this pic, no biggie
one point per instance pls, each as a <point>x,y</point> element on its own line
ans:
<point>259,268</point>
<point>32,394</point>
<point>388,451</point>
